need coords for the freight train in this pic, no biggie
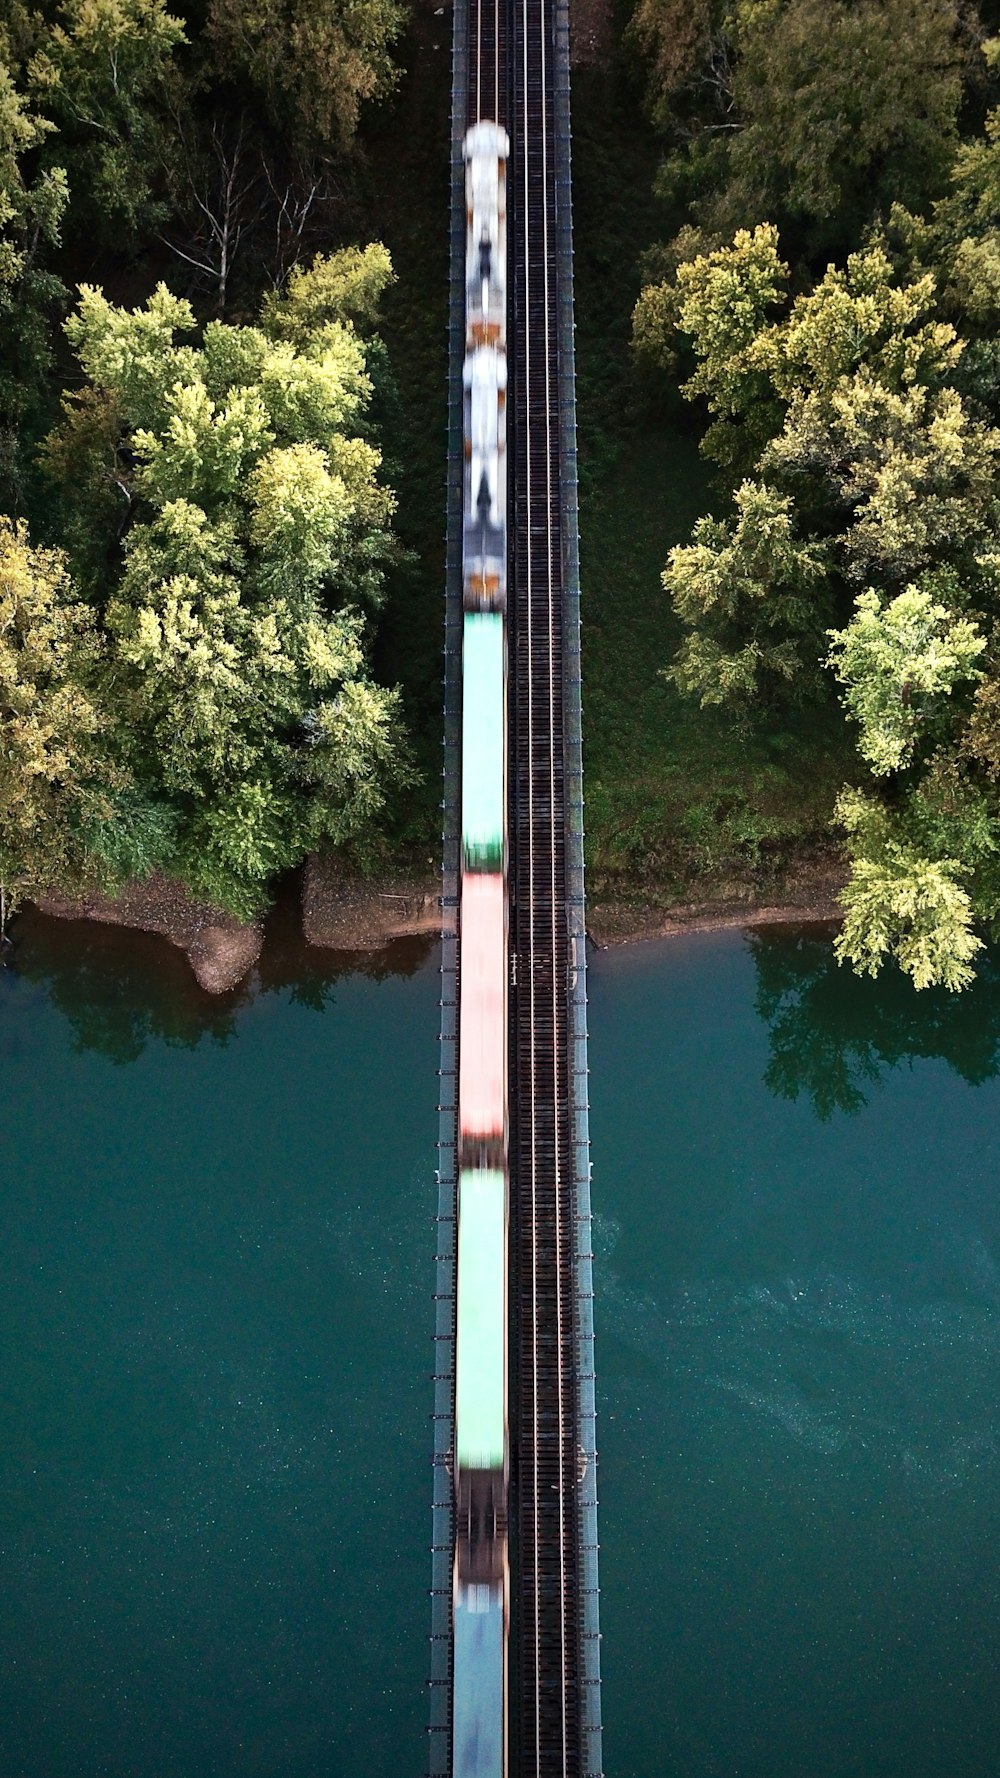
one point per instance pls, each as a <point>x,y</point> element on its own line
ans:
<point>481,1460</point>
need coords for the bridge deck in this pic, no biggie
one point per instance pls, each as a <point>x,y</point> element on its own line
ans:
<point>511,62</point>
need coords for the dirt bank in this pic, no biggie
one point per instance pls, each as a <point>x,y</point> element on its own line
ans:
<point>811,895</point>
<point>349,913</point>
<point>221,949</point>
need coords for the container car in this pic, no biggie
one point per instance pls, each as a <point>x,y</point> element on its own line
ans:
<point>484,671</point>
<point>479,1726</point>
<point>482,1024</point>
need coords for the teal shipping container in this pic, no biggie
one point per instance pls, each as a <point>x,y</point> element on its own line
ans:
<point>478,1701</point>
<point>483,741</point>
<point>480,1390</point>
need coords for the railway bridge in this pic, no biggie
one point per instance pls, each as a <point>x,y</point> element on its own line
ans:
<point>523,1702</point>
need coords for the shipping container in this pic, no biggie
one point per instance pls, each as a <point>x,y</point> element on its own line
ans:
<point>478,1727</point>
<point>483,741</point>
<point>482,1029</point>
<point>480,1389</point>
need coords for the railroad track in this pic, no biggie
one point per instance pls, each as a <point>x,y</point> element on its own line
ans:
<point>545,1626</point>
<point>511,66</point>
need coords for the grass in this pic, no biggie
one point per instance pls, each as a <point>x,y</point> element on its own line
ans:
<point>405,183</point>
<point>681,805</point>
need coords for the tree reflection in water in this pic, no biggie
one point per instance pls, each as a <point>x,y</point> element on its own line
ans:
<point>834,1035</point>
<point>119,989</point>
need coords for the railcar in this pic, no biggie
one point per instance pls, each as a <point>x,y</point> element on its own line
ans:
<point>485,371</point>
<point>486,149</point>
<point>485,497</point>
<point>482,1023</point>
<point>483,741</point>
<point>481,1465</point>
<point>480,1376</point>
<point>478,1730</point>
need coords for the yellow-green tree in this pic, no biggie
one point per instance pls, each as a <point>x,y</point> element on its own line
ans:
<point>55,779</point>
<point>252,530</point>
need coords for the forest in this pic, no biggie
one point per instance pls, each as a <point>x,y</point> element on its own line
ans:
<point>196,523</point>
<point>829,304</point>
<point>222,450</point>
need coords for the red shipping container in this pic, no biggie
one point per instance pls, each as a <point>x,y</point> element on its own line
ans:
<point>482,1041</point>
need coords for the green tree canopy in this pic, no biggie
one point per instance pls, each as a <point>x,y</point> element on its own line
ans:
<point>55,780</point>
<point>245,530</point>
<point>751,595</point>
<point>32,204</point>
<point>901,903</point>
<point>817,114</point>
<point>860,412</point>
<point>315,62</point>
<point>898,662</point>
<point>104,70</point>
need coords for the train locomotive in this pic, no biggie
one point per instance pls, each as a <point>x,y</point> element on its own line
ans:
<point>480,1587</point>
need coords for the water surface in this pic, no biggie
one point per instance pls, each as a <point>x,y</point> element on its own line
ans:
<point>215,1316</point>
<point>215,1322</point>
<point>798,1321</point>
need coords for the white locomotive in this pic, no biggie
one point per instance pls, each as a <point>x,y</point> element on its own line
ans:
<point>484,551</point>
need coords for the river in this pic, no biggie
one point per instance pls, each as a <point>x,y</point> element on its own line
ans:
<point>215,1314</point>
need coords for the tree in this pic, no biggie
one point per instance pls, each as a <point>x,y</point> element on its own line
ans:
<point>31,212</point>
<point>56,776</point>
<point>899,903</point>
<point>102,70</point>
<point>315,62</point>
<point>899,661</point>
<point>817,114</point>
<point>751,594</point>
<point>677,37</point>
<point>256,526</point>
<point>870,462</point>
<point>848,107</point>
<point>338,287</point>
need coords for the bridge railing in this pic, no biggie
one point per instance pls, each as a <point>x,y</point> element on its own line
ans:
<point>576,911</point>
<point>442,1541</point>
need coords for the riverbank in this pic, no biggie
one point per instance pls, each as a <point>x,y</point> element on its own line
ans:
<point>610,925</point>
<point>326,910</point>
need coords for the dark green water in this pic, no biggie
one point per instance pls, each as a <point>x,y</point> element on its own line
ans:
<point>798,1345</point>
<point>215,1320</point>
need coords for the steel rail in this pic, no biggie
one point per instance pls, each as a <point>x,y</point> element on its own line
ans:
<point>511,62</point>
<point>547,1619</point>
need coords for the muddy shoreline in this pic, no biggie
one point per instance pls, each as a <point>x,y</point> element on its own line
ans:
<point>340,912</point>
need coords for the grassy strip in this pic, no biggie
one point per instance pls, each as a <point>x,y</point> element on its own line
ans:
<point>405,184</point>
<point>681,804</point>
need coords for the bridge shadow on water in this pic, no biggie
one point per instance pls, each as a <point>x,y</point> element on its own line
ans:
<point>119,988</point>
<point>834,1036</point>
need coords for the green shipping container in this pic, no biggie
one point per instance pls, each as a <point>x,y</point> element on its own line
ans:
<point>483,740</point>
<point>480,1406</point>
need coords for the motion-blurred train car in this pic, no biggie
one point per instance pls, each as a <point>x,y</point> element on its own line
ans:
<point>482,1023</point>
<point>486,149</point>
<point>481,1463</point>
<point>485,371</point>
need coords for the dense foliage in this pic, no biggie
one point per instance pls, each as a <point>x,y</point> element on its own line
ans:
<point>195,527</point>
<point>853,413</point>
